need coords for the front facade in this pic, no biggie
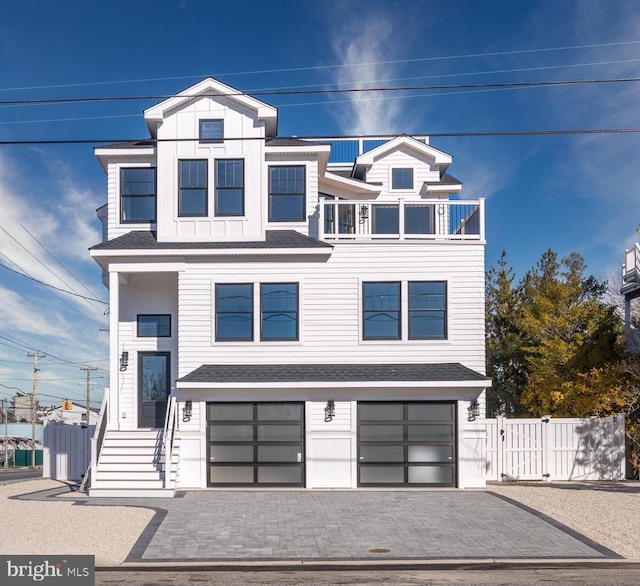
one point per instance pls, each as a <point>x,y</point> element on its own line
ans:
<point>287,312</point>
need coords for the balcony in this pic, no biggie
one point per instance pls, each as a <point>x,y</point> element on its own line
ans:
<point>383,220</point>
<point>631,272</point>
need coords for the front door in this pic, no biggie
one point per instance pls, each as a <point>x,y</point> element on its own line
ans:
<point>153,387</point>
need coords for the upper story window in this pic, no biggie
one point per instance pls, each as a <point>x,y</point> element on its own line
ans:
<point>287,194</point>
<point>279,304</point>
<point>234,312</point>
<point>138,194</point>
<point>381,311</point>
<point>427,310</point>
<point>211,130</point>
<point>229,187</point>
<point>154,326</point>
<point>402,178</point>
<point>192,188</point>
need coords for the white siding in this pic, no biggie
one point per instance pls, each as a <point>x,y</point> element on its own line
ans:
<point>330,306</point>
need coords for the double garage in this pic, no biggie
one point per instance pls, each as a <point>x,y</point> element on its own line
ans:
<point>399,443</point>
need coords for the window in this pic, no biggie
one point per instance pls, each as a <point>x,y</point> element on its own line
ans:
<point>381,311</point>
<point>138,194</point>
<point>427,310</point>
<point>279,311</point>
<point>234,312</point>
<point>211,130</point>
<point>401,178</point>
<point>286,194</point>
<point>154,326</point>
<point>230,187</point>
<point>192,199</point>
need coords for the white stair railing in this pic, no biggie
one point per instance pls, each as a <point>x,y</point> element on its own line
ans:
<point>168,438</point>
<point>97,440</point>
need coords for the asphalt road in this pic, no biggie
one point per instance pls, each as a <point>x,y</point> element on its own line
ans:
<point>610,574</point>
<point>15,474</point>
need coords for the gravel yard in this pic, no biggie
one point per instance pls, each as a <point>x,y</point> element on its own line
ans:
<point>57,526</point>
<point>607,512</point>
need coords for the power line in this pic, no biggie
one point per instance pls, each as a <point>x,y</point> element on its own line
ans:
<point>330,66</point>
<point>297,92</point>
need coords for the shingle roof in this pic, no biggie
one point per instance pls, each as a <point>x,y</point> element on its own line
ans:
<point>286,141</point>
<point>130,144</point>
<point>446,179</point>
<point>145,240</point>
<point>275,373</point>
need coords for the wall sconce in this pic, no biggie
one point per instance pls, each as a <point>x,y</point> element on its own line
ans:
<point>186,411</point>
<point>330,410</point>
<point>364,213</point>
<point>124,361</point>
<point>474,410</point>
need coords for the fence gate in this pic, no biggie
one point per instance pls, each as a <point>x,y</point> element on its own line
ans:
<point>66,450</point>
<point>555,449</point>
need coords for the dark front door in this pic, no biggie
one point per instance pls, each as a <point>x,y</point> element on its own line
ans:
<point>153,387</point>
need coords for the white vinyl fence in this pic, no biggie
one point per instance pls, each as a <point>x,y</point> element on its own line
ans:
<point>556,449</point>
<point>66,451</point>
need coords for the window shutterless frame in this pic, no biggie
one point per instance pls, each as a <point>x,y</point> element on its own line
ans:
<point>234,312</point>
<point>229,194</point>
<point>137,195</point>
<point>381,310</point>
<point>153,325</point>
<point>402,178</point>
<point>427,310</point>
<point>193,194</point>
<point>279,311</point>
<point>287,193</point>
<point>212,130</point>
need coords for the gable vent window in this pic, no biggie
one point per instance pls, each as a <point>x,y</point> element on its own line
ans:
<point>211,130</point>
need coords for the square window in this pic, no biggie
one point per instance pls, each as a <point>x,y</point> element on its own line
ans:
<point>381,311</point>
<point>229,187</point>
<point>154,326</point>
<point>287,194</point>
<point>137,194</point>
<point>279,302</point>
<point>192,182</point>
<point>211,130</point>
<point>234,312</point>
<point>402,178</point>
<point>427,310</point>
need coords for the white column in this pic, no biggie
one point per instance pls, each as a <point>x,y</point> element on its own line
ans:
<point>113,421</point>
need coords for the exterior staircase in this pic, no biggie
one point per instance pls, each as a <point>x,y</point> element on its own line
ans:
<point>131,464</point>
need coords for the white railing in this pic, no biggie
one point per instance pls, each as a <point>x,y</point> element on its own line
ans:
<point>98,437</point>
<point>168,438</point>
<point>401,220</point>
<point>631,267</point>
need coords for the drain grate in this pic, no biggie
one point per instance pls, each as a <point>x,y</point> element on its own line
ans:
<point>379,550</point>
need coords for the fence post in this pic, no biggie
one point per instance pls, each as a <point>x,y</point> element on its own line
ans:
<point>545,439</point>
<point>500,443</point>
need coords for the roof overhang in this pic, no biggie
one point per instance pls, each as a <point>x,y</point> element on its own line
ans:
<point>321,150</point>
<point>349,184</point>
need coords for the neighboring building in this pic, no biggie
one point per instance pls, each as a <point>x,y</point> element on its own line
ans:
<point>631,291</point>
<point>295,313</point>
<point>24,408</point>
<point>77,415</point>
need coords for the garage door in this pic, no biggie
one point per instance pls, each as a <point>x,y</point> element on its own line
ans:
<point>255,444</point>
<point>406,443</point>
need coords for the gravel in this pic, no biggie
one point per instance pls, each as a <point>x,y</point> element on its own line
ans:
<point>57,526</point>
<point>607,512</point>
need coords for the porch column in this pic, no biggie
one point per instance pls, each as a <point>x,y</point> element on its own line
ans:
<point>113,421</point>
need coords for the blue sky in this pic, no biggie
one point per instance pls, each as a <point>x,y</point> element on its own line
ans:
<point>575,193</point>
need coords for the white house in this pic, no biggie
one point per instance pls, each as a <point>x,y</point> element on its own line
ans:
<point>76,415</point>
<point>287,312</point>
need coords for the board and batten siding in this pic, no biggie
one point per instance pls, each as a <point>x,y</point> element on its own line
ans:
<point>331,306</point>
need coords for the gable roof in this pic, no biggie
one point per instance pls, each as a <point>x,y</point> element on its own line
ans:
<point>211,87</point>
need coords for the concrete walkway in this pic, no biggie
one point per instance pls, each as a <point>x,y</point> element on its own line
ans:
<point>349,526</point>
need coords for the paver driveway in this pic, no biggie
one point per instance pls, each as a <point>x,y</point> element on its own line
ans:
<point>348,526</point>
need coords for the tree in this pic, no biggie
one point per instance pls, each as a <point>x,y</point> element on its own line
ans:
<point>574,339</point>
<point>504,342</point>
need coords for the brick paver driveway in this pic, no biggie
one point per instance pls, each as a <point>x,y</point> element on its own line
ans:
<point>246,526</point>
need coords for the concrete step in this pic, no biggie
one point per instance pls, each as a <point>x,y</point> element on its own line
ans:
<point>129,467</point>
<point>131,493</point>
<point>128,475</point>
<point>128,483</point>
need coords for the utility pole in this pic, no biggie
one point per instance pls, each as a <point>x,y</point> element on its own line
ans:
<point>88,369</point>
<point>6,433</point>
<point>34,403</point>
